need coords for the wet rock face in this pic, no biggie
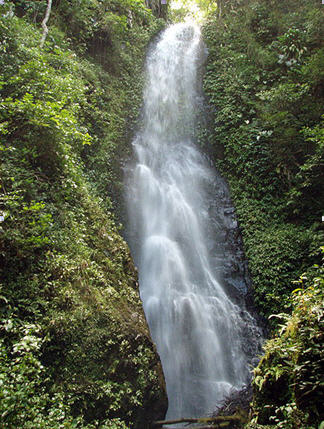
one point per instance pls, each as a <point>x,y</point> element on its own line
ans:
<point>229,259</point>
<point>231,265</point>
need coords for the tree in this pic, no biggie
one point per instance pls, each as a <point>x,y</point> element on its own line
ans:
<point>158,7</point>
<point>44,22</point>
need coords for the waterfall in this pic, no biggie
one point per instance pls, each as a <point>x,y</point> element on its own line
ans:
<point>200,333</point>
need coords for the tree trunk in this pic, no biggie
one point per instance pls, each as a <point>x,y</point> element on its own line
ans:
<point>44,22</point>
<point>219,8</point>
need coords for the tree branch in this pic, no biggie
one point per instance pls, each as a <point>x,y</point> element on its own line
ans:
<point>207,420</point>
<point>44,22</point>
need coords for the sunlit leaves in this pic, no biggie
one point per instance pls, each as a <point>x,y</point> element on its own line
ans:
<point>288,382</point>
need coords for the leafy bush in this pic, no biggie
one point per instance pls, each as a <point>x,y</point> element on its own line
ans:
<point>25,400</point>
<point>288,383</point>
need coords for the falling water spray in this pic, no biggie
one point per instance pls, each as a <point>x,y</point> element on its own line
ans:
<point>199,331</point>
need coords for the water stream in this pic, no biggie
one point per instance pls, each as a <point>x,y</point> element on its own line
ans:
<point>200,332</point>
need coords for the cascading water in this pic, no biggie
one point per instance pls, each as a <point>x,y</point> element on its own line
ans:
<point>198,330</point>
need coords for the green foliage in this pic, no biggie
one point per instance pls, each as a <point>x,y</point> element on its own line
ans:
<point>103,26</point>
<point>197,10</point>
<point>276,253</point>
<point>25,398</point>
<point>264,81</point>
<point>76,351</point>
<point>25,401</point>
<point>35,224</point>
<point>288,382</point>
<point>308,182</point>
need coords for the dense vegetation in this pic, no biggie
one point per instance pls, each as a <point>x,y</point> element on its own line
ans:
<point>265,85</point>
<point>75,349</point>
<point>288,382</point>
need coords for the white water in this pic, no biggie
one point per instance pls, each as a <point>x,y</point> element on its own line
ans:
<point>197,329</point>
